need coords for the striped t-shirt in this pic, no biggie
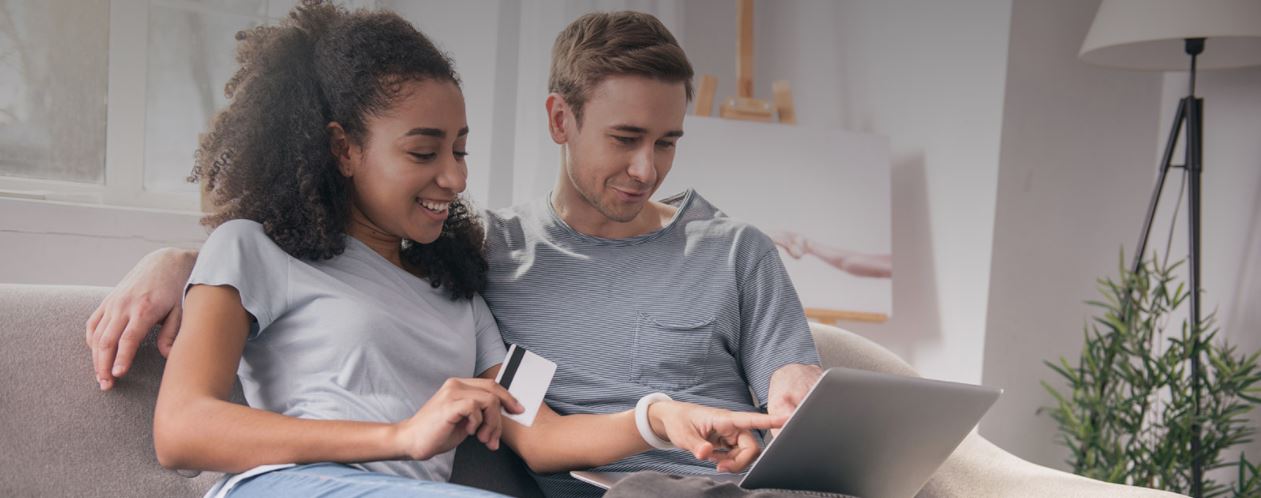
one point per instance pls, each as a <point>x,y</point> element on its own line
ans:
<point>702,310</point>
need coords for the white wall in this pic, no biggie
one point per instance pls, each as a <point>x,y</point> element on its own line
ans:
<point>1076,168</point>
<point>45,242</point>
<point>930,77</point>
<point>1080,146</point>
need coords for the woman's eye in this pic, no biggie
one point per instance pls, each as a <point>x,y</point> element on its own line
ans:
<point>461,154</point>
<point>424,157</point>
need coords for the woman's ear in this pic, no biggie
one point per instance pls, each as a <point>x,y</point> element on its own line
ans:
<point>558,115</point>
<point>341,148</point>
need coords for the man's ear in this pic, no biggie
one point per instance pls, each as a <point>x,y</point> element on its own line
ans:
<point>340,146</point>
<point>559,114</point>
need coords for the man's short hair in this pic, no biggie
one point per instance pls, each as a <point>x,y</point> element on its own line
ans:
<point>603,44</point>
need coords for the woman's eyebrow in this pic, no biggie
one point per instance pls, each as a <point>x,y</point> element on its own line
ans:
<point>434,132</point>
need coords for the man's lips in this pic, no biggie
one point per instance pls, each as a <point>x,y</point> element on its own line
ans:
<point>632,193</point>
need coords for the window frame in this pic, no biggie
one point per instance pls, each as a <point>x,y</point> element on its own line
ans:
<point>125,123</point>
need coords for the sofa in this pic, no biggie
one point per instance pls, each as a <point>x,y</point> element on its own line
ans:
<point>61,436</point>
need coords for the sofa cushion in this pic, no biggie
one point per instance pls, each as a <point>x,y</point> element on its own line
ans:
<point>63,436</point>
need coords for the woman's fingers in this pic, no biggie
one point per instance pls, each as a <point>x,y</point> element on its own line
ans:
<point>492,388</point>
<point>490,423</point>
<point>485,421</point>
<point>459,410</point>
<point>506,398</point>
<point>494,440</point>
<point>473,421</point>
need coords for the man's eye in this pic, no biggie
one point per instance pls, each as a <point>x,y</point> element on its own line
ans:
<point>665,145</point>
<point>624,140</point>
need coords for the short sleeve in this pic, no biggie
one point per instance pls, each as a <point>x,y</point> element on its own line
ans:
<point>239,254</point>
<point>490,345</point>
<point>773,326</point>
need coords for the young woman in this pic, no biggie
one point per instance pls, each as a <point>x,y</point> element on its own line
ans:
<point>340,284</point>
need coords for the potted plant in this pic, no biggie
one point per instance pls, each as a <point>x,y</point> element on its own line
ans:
<point>1128,411</point>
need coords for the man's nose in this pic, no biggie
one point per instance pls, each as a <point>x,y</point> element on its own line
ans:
<point>643,166</point>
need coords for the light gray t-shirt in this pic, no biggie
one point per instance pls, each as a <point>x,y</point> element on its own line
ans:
<point>701,309</point>
<point>349,338</point>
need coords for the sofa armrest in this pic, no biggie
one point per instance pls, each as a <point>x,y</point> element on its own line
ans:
<point>62,435</point>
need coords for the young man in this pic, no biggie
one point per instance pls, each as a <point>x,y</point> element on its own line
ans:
<point>629,296</point>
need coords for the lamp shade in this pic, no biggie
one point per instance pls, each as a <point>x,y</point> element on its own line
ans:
<point>1149,34</point>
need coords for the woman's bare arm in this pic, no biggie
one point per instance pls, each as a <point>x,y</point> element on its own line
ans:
<point>196,427</point>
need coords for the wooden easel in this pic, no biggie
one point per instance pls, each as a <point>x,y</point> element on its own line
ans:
<point>743,105</point>
<point>833,317</point>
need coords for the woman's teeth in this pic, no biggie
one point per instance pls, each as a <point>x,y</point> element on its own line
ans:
<point>436,207</point>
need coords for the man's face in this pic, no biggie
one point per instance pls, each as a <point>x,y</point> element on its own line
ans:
<point>622,151</point>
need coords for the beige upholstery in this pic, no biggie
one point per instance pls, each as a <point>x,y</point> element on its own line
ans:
<point>978,468</point>
<point>61,436</point>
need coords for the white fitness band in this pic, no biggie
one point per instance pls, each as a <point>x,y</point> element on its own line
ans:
<point>645,428</point>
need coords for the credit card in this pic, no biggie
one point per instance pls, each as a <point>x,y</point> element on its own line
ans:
<point>526,376</point>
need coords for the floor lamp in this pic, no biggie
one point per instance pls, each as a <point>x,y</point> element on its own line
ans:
<point>1176,35</point>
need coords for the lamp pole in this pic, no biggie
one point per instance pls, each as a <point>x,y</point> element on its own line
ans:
<point>1190,113</point>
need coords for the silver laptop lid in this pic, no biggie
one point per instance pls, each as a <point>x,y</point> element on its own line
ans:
<point>870,434</point>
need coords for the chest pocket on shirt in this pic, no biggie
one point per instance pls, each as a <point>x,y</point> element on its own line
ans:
<point>670,353</point>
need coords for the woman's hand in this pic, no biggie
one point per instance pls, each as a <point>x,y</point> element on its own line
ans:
<point>461,408</point>
<point>720,436</point>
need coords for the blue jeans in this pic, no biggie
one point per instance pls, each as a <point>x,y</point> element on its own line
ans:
<point>334,480</point>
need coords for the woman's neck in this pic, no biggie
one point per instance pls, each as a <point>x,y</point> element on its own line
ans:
<point>389,246</point>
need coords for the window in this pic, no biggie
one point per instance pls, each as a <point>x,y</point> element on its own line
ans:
<point>53,76</point>
<point>103,101</point>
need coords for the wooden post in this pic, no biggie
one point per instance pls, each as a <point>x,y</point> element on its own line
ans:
<point>744,47</point>
<point>783,95</point>
<point>743,105</point>
<point>705,95</point>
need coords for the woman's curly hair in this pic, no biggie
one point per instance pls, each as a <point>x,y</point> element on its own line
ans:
<point>267,157</point>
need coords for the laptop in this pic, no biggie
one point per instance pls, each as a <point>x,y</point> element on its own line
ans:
<point>861,433</point>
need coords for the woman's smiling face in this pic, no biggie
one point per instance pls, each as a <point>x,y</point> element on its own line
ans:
<point>410,166</point>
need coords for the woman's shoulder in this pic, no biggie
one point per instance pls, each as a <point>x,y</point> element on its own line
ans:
<point>240,228</point>
<point>241,235</point>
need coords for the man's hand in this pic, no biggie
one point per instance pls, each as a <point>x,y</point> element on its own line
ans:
<point>789,386</point>
<point>720,436</point>
<point>147,296</point>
